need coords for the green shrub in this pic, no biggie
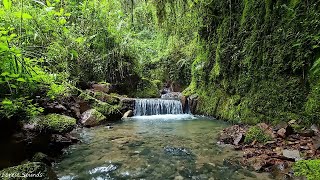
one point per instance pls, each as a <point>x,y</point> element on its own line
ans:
<point>308,168</point>
<point>256,134</point>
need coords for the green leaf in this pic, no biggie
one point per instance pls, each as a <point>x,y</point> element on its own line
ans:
<point>6,102</point>
<point>62,21</point>
<point>7,4</point>
<point>23,15</point>
<point>5,74</point>
<point>21,80</point>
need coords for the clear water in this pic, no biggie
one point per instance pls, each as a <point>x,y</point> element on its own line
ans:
<point>153,147</point>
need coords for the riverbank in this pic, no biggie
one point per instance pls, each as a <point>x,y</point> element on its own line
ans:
<point>273,149</point>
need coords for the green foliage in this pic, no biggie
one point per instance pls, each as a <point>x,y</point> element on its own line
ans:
<point>54,123</point>
<point>147,89</point>
<point>56,91</point>
<point>307,168</point>
<point>256,134</point>
<point>259,54</point>
<point>20,107</point>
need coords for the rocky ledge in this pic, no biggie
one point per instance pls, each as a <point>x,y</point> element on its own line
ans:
<point>273,148</point>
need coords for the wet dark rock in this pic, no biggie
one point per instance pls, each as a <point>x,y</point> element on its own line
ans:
<point>193,101</point>
<point>127,104</point>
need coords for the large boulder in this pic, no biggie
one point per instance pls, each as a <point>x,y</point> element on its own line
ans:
<point>52,123</point>
<point>91,118</point>
<point>28,171</point>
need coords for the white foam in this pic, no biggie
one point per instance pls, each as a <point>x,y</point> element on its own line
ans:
<point>166,117</point>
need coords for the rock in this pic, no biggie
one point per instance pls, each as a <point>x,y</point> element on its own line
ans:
<point>171,95</point>
<point>266,129</point>
<point>238,139</point>
<point>40,157</point>
<point>128,114</point>
<point>92,118</point>
<point>193,101</point>
<point>281,133</point>
<point>54,123</point>
<point>315,129</point>
<point>29,127</point>
<point>178,178</point>
<point>102,87</point>
<point>291,154</point>
<point>316,142</point>
<point>184,101</point>
<point>34,170</point>
<point>307,133</point>
<point>127,104</point>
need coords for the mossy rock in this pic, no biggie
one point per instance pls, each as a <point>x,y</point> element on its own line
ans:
<point>147,89</point>
<point>54,123</point>
<point>92,117</point>
<point>111,112</point>
<point>28,171</point>
<point>108,98</point>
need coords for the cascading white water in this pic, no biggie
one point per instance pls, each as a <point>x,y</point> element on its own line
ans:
<point>145,107</point>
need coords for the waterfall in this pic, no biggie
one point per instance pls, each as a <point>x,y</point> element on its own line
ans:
<point>157,106</point>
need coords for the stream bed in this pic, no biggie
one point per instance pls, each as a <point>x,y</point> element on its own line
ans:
<point>153,147</point>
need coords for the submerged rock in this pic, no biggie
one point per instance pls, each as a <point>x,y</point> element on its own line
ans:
<point>92,118</point>
<point>177,151</point>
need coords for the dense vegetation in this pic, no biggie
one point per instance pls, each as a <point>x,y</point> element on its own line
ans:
<point>247,61</point>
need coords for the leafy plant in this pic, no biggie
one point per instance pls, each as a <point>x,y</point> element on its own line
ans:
<point>307,168</point>
<point>256,134</point>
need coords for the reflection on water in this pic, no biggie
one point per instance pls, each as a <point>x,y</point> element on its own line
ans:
<point>153,147</point>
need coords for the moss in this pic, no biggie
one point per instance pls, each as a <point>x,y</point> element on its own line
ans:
<point>54,123</point>
<point>147,89</point>
<point>28,171</point>
<point>307,168</point>
<point>158,83</point>
<point>108,111</point>
<point>98,115</point>
<point>39,157</point>
<point>256,134</point>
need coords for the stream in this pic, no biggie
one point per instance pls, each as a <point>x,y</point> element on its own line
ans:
<point>153,147</point>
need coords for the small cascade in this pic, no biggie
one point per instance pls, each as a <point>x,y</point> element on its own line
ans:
<point>145,107</point>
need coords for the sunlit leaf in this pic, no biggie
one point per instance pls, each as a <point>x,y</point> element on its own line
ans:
<point>5,74</point>
<point>7,4</point>
<point>6,102</point>
<point>21,80</point>
<point>23,15</point>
